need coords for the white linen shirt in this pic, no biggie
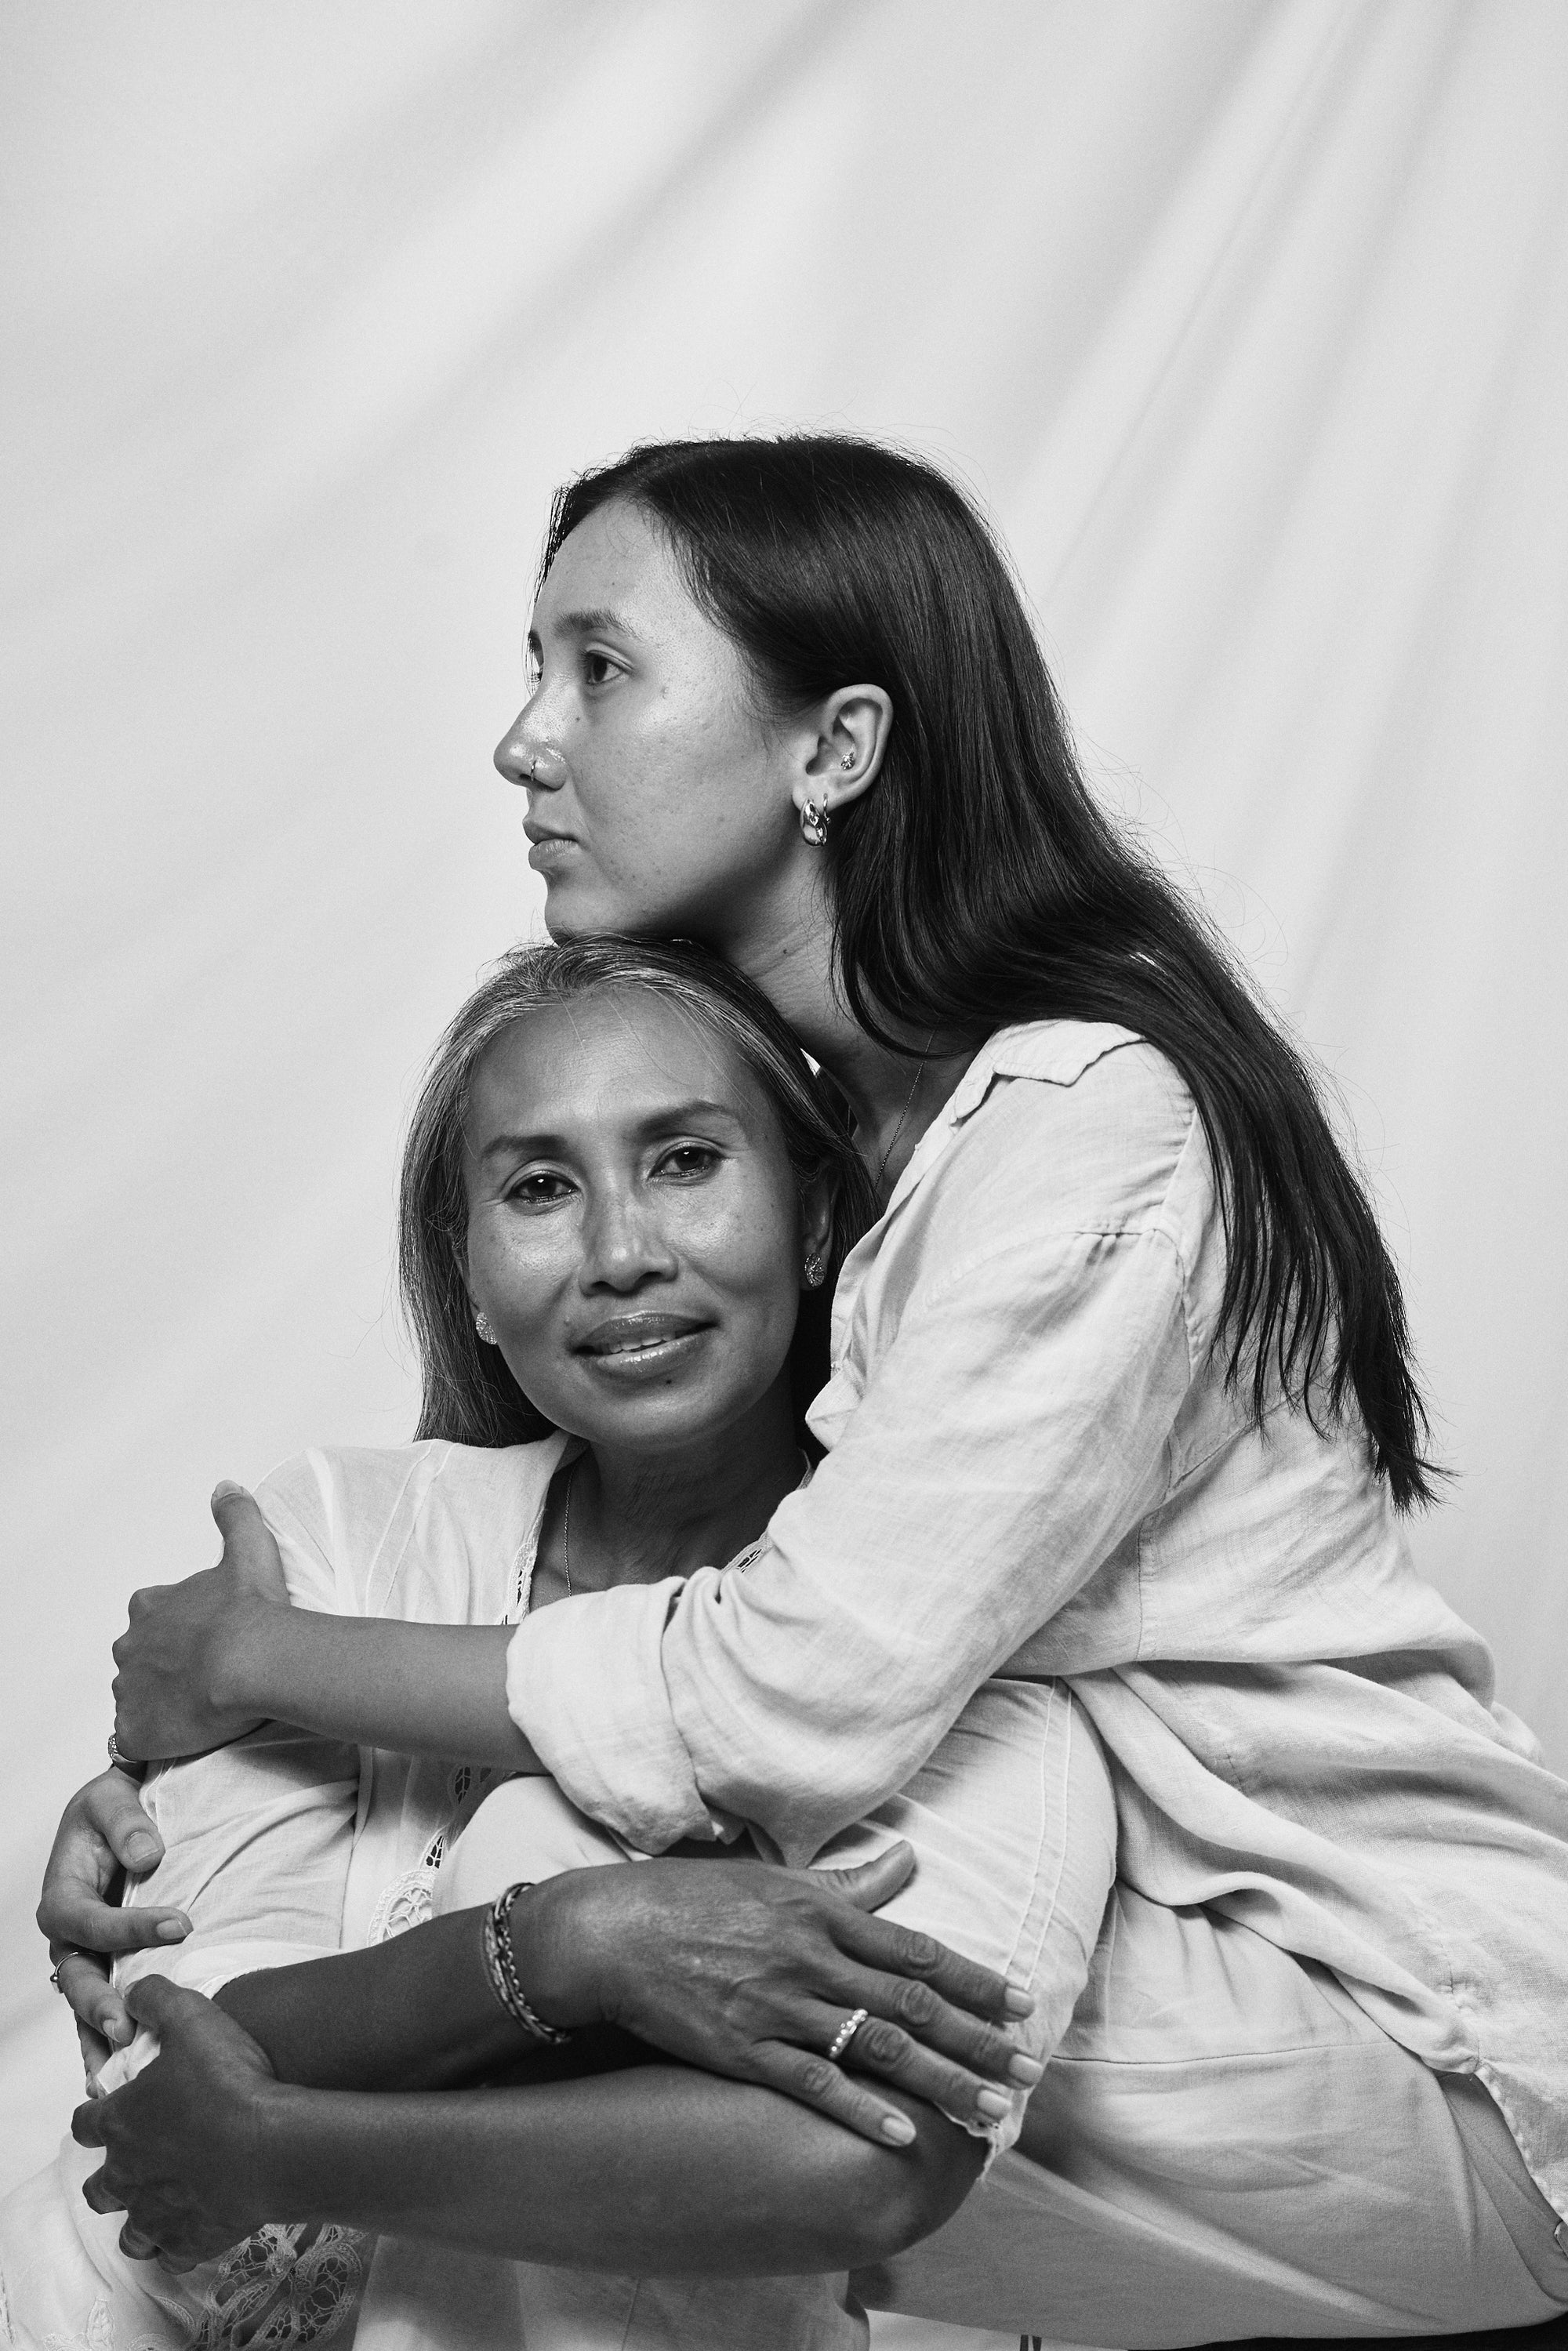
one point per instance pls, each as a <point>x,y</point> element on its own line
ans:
<point>1036,1467</point>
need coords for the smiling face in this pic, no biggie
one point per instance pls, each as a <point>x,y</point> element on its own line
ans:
<point>635,1236</point>
<point>663,802</point>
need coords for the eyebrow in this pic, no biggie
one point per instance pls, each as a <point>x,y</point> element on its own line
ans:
<point>666,1121</point>
<point>592,620</point>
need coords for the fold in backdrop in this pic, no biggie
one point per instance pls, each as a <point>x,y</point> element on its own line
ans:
<point>1247,322</point>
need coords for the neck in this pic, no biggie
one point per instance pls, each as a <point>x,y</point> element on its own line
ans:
<point>895,1098</point>
<point>638,1517</point>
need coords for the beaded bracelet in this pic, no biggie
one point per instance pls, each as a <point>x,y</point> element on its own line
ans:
<point>501,1962</point>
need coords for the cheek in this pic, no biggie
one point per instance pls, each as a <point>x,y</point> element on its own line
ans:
<point>759,1272</point>
<point>515,1275</point>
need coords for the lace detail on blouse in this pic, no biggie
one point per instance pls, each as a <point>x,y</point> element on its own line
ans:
<point>287,2284</point>
<point>410,1900</point>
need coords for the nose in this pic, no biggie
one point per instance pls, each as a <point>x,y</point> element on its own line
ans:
<point>622,1247</point>
<point>524,756</point>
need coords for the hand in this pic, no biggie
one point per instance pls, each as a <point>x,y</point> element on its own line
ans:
<point>749,1970</point>
<point>181,2142</point>
<point>174,1694</point>
<point>102,1832</point>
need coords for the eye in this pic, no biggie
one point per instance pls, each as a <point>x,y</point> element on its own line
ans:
<point>542,1189</point>
<point>689,1162</point>
<point>533,667</point>
<point>600,670</point>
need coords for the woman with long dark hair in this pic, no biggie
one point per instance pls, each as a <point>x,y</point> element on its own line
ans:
<point>1122,1395</point>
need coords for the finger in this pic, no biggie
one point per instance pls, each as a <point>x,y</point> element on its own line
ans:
<point>87,2122</point>
<point>814,2083</point>
<point>115,1809</point>
<point>97,2191</point>
<point>249,1549</point>
<point>155,2001</point>
<point>140,2247</point>
<point>95,2054</point>
<point>92,1999</point>
<point>83,1919</point>
<point>986,2050</point>
<point>905,1951</point>
<point>870,1883</point>
<point>884,2049</point>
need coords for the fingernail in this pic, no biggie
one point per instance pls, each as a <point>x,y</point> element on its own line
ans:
<point>173,1930</point>
<point>995,2103</point>
<point>1024,2070</point>
<point>119,2032</point>
<point>898,2128</point>
<point>144,1850</point>
<point>1016,2001</point>
<point>225,1488</point>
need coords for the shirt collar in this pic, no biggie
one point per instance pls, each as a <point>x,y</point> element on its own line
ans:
<point>1054,1052</point>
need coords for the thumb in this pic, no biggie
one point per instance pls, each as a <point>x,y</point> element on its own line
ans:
<point>153,2000</point>
<point>249,1549</point>
<point>871,1882</point>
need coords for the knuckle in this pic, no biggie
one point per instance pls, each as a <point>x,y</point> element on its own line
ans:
<point>882,2043</point>
<point>918,1951</point>
<point>917,2004</point>
<point>817,2079</point>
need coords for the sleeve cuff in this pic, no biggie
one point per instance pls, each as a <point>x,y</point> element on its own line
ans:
<point>585,1686</point>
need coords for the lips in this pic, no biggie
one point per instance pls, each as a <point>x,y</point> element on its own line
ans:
<point>629,1336</point>
<point>548,848</point>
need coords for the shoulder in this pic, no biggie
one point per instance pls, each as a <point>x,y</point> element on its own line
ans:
<point>371,1516</point>
<point>1072,1125</point>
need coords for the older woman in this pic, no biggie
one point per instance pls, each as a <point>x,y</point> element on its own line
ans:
<point>1121,1394</point>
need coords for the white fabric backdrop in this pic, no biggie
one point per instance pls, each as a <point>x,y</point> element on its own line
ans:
<point>1248,317</point>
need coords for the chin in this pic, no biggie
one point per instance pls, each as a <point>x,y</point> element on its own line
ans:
<point>577,910</point>
<point>581,905</point>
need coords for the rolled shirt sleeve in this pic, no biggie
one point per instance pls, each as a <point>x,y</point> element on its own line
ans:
<point>1017,1401</point>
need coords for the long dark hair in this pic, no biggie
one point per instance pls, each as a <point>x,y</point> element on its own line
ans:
<point>979,883</point>
<point>469,1394</point>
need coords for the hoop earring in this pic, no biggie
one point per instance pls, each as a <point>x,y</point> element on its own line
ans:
<point>816,1271</point>
<point>487,1336</point>
<point>814,823</point>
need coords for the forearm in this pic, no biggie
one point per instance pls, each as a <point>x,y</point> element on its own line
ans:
<point>416,2013</point>
<point>656,2172</point>
<point>424,1690</point>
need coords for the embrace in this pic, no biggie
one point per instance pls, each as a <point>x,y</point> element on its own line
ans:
<point>882,1749</point>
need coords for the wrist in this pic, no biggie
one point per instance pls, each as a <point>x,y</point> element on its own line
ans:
<point>555,1951</point>
<point>293,2159</point>
<point>247,1657</point>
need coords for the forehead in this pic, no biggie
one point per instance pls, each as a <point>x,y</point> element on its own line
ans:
<point>620,563</point>
<point>610,1061</point>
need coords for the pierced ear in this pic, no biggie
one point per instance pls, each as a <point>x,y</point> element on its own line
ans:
<point>853,727</point>
<point>816,1225</point>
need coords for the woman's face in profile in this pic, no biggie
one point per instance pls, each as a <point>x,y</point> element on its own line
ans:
<point>663,804</point>
<point>634,1233</point>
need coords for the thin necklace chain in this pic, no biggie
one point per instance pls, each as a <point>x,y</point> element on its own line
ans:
<point>904,1113</point>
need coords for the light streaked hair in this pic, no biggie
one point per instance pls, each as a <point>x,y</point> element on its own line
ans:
<point>469,1396</point>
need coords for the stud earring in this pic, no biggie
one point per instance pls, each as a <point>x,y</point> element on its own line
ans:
<point>816,1271</point>
<point>482,1325</point>
<point>814,823</point>
<point>848,760</point>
